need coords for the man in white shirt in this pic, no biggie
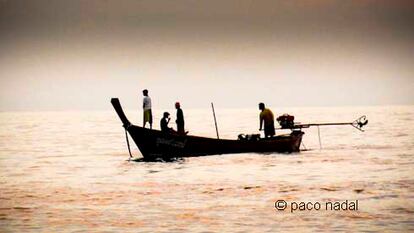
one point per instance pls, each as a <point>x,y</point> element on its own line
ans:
<point>147,108</point>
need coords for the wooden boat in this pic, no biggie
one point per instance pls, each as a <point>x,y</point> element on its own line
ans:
<point>155,144</point>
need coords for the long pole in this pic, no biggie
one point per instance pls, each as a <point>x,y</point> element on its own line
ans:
<point>215,121</point>
<point>358,124</point>
<point>322,124</point>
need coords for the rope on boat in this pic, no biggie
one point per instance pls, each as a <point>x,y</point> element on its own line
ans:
<point>303,144</point>
<point>320,142</point>
<point>129,148</point>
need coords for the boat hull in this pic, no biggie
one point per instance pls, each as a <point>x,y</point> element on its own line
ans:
<point>156,144</point>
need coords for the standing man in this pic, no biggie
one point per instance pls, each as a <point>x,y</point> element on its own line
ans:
<point>267,117</point>
<point>147,108</point>
<point>180,119</point>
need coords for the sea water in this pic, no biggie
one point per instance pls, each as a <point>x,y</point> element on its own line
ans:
<point>68,172</point>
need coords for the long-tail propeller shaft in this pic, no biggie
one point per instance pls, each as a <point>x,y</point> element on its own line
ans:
<point>358,124</point>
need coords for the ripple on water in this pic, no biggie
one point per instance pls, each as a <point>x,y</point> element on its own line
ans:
<point>71,181</point>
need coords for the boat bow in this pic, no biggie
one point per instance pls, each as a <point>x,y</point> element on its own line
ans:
<point>118,108</point>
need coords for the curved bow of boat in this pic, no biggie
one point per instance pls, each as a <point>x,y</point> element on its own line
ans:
<point>118,108</point>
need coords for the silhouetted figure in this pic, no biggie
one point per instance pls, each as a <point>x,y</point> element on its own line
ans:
<point>180,119</point>
<point>267,117</point>
<point>147,108</point>
<point>164,123</point>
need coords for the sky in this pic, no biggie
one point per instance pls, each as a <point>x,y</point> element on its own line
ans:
<point>76,55</point>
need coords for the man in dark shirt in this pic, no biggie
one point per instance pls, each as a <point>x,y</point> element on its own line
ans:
<point>180,119</point>
<point>164,123</point>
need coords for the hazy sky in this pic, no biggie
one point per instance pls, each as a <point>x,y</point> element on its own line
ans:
<point>58,55</point>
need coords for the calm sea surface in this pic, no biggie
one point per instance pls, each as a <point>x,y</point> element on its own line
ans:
<point>68,172</point>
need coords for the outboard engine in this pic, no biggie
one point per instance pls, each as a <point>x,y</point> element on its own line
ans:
<point>286,121</point>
